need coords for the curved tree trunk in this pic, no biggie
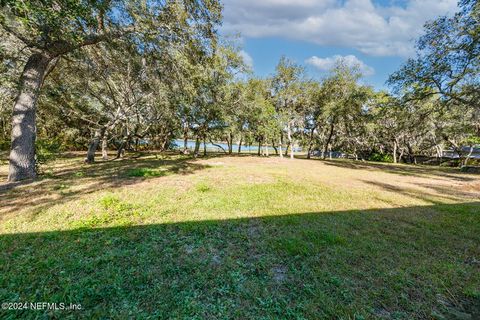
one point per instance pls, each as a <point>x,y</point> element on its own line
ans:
<point>93,146</point>
<point>274,147</point>
<point>218,146</point>
<point>22,153</point>
<point>329,139</point>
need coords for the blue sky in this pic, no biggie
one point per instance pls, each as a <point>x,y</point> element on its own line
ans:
<point>376,35</point>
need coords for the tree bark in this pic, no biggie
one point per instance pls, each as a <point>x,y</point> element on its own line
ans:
<point>218,146</point>
<point>274,147</point>
<point>230,143</point>
<point>310,142</point>
<point>22,153</point>
<point>395,151</point>
<point>329,139</point>
<point>93,146</point>
<point>185,138</point>
<point>240,145</point>
<point>290,141</point>
<point>104,147</point>
<point>286,149</point>
<point>465,163</point>
<point>205,145</point>
<point>280,149</point>
<point>197,147</point>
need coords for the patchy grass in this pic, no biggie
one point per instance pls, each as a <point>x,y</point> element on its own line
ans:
<point>242,237</point>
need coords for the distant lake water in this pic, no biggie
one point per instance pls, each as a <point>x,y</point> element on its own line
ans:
<point>211,147</point>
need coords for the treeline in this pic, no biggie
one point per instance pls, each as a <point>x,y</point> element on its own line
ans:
<point>116,74</point>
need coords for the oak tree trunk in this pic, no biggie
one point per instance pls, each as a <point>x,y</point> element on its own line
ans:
<point>92,148</point>
<point>329,139</point>
<point>22,153</point>
<point>197,147</point>
<point>104,148</point>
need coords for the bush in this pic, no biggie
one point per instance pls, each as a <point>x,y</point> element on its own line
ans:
<point>4,145</point>
<point>381,157</point>
<point>45,150</point>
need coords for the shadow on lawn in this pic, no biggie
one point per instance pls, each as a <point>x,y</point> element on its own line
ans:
<point>401,169</point>
<point>97,176</point>
<point>405,263</point>
<point>439,195</point>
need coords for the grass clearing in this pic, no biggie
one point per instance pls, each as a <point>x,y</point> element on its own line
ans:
<point>243,237</point>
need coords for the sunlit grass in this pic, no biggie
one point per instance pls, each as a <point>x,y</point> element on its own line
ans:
<point>244,237</point>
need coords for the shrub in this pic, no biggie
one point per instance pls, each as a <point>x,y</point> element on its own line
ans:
<point>380,157</point>
<point>4,145</point>
<point>45,150</point>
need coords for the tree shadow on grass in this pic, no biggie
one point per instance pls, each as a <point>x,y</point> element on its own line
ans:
<point>55,185</point>
<point>442,193</point>
<point>404,263</point>
<point>401,169</point>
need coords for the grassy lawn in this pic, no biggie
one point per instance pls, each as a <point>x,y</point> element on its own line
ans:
<point>165,236</point>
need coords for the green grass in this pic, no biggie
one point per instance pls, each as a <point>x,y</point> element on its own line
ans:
<point>243,238</point>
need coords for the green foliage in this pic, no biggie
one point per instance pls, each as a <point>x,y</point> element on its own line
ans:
<point>146,172</point>
<point>4,145</point>
<point>46,150</point>
<point>203,187</point>
<point>381,157</point>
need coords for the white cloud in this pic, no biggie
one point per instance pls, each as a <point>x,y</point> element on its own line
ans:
<point>326,64</point>
<point>247,59</point>
<point>360,24</point>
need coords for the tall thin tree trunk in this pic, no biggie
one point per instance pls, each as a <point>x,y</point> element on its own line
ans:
<point>400,157</point>
<point>290,141</point>
<point>230,143</point>
<point>185,145</point>
<point>22,153</point>
<point>185,138</point>
<point>204,145</point>
<point>286,149</point>
<point>465,163</point>
<point>105,147</point>
<point>259,146</point>
<point>274,147</point>
<point>197,147</point>
<point>280,149</point>
<point>329,139</point>
<point>395,151</point>
<point>310,143</point>
<point>240,145</point>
